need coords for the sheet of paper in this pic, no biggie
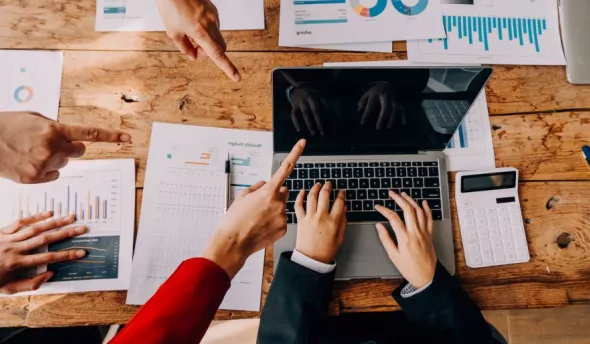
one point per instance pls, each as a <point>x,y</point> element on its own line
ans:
<point>30,81</point>
<point>376,47</point>
<point>101,193</point>
<point>471,148</point>
<point>310,22</point>
<point>183,201</point>
<point>142,15</point>
<point>495,32</point>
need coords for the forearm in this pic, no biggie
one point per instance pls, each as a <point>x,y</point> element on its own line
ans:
<point>445,306</point>
<point>183,307</point>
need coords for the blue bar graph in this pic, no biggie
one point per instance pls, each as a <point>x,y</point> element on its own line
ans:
<point>525,31</point>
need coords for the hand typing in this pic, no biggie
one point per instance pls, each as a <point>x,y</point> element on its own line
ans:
<point>414,254</point>
<point>320,231</point>
<point>33,148</point>
<point>28,234</point>
<point>256,219</point>
<point>197,20</point>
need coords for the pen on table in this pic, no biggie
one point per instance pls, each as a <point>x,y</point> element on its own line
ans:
<point>586,153</point>
<point>227,183</point>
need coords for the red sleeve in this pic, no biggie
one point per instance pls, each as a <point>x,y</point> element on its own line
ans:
<point>182,308</point>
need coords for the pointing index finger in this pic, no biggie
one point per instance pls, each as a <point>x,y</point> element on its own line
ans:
<point>92,134</point>
<point>287,166</point>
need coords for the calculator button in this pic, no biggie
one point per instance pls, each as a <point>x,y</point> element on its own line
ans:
<point>485,246</point>
<point>505,231</point>
<point>520,241</point>
<point>487,258</point>
<point>515,219</point>
<point>508,243</point>
<point>480,211</point>
<point>469,212</point>
<point>510,256</point>
<point>470,222</point>
<point>476,260</point>
<point>502,210</point>
<point>522,255</point>
<point>516,230</point>
<point>499,257</point>
<point>495,232</point>
<point>483,233</point>
<point>480,221</point>
<point>471,236</point>
<point>514,209</point>
<point>491,211</point>
<point>473,248</point>
<point>496,244</point>
<point>504,219</point>
<point>493,221</point>
<point>467,204</point>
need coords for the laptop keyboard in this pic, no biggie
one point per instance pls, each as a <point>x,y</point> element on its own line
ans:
<point>367,184</point>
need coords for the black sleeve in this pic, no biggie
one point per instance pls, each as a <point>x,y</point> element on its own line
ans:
<point>297,305</point>
<point>446,307</point>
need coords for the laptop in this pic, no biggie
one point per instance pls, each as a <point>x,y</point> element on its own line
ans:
<point>368,132</point>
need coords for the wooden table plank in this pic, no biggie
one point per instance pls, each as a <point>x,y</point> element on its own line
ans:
<point>13,311</point>
<point>529,285</point>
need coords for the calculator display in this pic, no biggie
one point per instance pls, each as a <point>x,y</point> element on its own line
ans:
<point>487,182</point>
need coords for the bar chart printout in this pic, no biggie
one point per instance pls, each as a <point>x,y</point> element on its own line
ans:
<point>101,195</point>
<point>491,31</point>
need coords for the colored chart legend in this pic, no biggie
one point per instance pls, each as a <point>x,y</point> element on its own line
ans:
<point>369,12</point>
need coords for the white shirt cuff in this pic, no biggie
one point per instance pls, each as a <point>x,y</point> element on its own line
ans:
<point>410,291</point>
<point>312,264</point>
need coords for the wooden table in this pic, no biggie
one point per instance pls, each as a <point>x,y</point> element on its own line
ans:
<point>540,122</point>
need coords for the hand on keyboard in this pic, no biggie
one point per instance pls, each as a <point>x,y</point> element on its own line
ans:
<point>414,254</point>
<point>380,96</point>
<point>320,230</point>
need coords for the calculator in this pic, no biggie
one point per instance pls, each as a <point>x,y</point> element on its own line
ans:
<point>492,229</point>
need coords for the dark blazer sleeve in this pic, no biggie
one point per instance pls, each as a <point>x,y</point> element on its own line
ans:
<point>297,304</point>
<point>446,307</point>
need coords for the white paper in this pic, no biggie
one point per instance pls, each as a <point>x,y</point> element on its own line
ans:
<point>375,47</point>
<point>311,22</point>
<point>183,202</point>
<point>471,148</point>
<point>142,15</point>
<point>30,81</point>
<point>538,44</point>
<point>102,195</point>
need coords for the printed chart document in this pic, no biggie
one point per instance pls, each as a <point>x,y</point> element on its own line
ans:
<point>495,32</point>
<point>142,15</point>
<point>101,193</point>
<point>30,81</point>
<point>376,47</point>
<point>471,148</point>
<point>310,22</point>
<point>183,203</point>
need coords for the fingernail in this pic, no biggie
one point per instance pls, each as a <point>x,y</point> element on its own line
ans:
<point>80,230</point>
<point>237,76</point>
<point>48,213</point>
<point>48,277</point>
<point>191,57</point>
<point>80,253</point>
<point>125,137</point>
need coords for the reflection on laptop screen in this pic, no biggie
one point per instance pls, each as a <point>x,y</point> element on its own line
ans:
<point>372,110</point>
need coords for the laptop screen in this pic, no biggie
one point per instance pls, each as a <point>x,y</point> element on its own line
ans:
<point>372,110</point>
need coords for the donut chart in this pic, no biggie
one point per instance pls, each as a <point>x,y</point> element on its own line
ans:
<point>23,94</point>
<point>366,11</point>
<point>410,10</point>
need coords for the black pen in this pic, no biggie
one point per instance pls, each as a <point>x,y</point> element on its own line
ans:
<point>227,183</point>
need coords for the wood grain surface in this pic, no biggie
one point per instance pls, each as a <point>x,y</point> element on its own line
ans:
<point>130,80</point>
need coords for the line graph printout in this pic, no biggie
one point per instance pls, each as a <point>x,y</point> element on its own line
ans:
<point>183,203</point>
<point>101,193</point>
<point>495,31</point>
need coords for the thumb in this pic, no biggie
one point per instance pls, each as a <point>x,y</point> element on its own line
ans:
<point>26,284</point>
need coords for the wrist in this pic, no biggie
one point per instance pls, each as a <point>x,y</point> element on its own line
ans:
<point>227,256</point>
<point>320,257</point>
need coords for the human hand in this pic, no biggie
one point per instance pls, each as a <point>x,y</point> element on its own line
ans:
<point>380,95</point>
<point>256,219</point>
<point>320,231</point>
<point>308,103</point>
<point>414,254</point>
<point>28,234</point>
<point>197,20</point>
<point>33,148</point>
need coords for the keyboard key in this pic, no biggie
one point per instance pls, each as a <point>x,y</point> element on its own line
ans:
<point>384,194</point>
<point>406,163</point>
<point>368,205</point>
<point>352,164</point>
<point>422,172</point>
<point>357,205</point>
<point>363,164</point>
<point>336,173</point>
<point>433,171</point>
<point>407,191</point>
<point>431,182</point>
<point>386,183</point>
<point>407,182</point>
<point>375,183</point>
<point>314,173</point>
<point>418,182</point>
<point>401,172</point>
<point>307,165</point>
<point>380,172</point>
<point>325,173</point>
<point>369,172</point>
<point>480,211</point>
<point>308,184</point>
<point>493,221</point>
<point>358,172</point>
<point>384,164</point>
<point>293,174</point>
<point>390,172</point>
<point>289,184</point>
<point>430,163</point>
<point>416,194</point>
<point>342,184</point>
<point>471,237</point>
<point>396,182</point>
<point>293,195</point>
<point>374,164</point>
<point>396,163</point>
<point>522,255</point>
<point>297,184</point>
<point>373,194</point>
<point>303,174</point>
<point>298,165</point>
<point>412,172</point>
<point>290,207</point>
<point>321,181</point>
<point>353,183</point>
<point>483,233</point>
<point>332,181</point>
<point>431,193</point>
<point>364,183</point>
<point>333,195</point>
<point>361,194</point>
<point>320,165</point>
<point>390,204</point>
<point>364,216</point>
<point>331,164</point>
<point>351,194</point>
<point>347,172</point>
<point>510,256</point>
<point>348,205</point>
<point>341,164</point>
<point>379,202</point>
<point>417,163</point>
<point>434,204</point>
<point>437,215</point>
